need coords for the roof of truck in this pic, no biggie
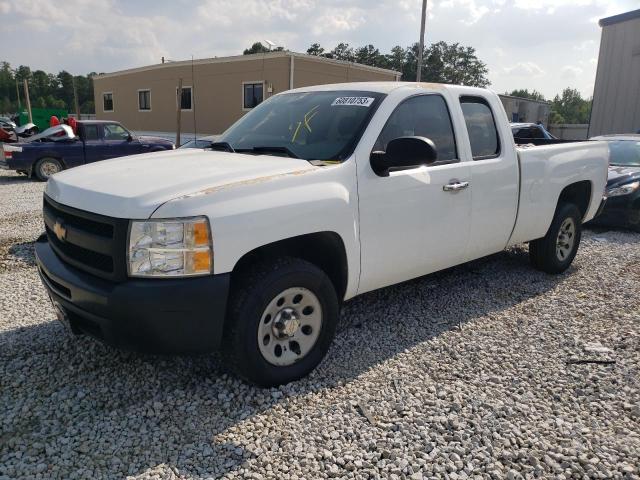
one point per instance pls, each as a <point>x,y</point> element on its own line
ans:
<point>383,87</point>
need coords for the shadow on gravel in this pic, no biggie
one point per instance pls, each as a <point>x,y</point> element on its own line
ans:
<point>128,414</point>
<point>16,179</point>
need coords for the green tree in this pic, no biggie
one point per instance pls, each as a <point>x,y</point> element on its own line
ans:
<point>342,52</point>
<point>258,47</point>
<point>525,93</point>
<point>315,49</point>
<point>570,107</point>
<point>396,59</point>
<point>369,55</point>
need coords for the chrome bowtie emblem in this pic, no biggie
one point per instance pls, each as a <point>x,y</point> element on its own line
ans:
<point>60,231</point>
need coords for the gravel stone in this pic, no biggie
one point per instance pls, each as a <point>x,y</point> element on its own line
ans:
<point>465,374</point>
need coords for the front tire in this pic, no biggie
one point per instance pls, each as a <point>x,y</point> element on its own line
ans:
<point>555,252</point>
<point>282,318</point>
<point>45,167</point>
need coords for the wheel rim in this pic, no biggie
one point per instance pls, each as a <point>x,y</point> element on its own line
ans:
<point>290,326</point>
<point>49,168</point>
<point>566,239</point>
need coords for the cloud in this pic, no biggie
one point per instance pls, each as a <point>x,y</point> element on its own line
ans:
<point>524,69</point>
<point>525,44</point>
<point>571,72</point>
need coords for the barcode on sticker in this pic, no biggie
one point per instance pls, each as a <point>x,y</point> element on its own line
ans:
<point>356,101</point>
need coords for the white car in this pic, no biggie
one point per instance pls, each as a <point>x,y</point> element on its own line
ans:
<point>317,195</point>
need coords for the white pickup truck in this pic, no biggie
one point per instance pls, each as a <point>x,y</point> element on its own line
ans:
<point>315,196</point>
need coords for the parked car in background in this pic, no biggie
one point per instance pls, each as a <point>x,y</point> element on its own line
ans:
<point>528,131</point>
<point>7,123</point>
<point>315,196</point>
<point>59,148</point>
<point>201,142</point>
<point>623,186</point>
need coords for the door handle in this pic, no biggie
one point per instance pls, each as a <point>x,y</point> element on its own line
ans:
<point>455,186</point>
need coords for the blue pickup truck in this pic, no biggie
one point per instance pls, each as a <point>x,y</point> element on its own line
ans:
<point>59,148</point>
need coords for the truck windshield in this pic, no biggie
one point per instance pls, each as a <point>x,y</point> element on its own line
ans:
<point>307,125</point>
<point>625,153</point>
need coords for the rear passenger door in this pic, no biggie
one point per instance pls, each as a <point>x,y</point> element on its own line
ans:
<point>494,176</point>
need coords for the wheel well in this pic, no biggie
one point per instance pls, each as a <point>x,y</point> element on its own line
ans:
<point>324,249</point>
<point>579,194</point>
<point>33,167</point>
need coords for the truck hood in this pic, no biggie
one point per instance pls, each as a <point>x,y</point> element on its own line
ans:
<point>135,186</point>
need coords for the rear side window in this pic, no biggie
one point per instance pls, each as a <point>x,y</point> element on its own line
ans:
<point>90,132</point>
<point>481,126</point>
<point>421,116</point>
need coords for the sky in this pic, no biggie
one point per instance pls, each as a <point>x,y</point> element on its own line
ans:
<point>545,45</point>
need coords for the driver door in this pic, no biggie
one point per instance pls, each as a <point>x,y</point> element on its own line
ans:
<point>414,222</point>
<point>116,140</point>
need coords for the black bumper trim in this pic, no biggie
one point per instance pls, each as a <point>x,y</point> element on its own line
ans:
<point>148,315</point>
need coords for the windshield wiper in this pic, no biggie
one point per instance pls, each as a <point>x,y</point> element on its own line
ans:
<point>222,146</point>
<point>267,150</point>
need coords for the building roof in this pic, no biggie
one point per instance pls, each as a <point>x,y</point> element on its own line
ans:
<point>623,17</point>
<point>240,58</point>
<point>524,99</point>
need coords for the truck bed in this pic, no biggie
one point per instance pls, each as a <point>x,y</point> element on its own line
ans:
<point>545,170</point>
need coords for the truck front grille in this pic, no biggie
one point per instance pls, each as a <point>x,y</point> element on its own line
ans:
<point>88,241</point>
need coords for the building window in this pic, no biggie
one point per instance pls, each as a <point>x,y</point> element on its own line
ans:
<point>107,102</point>
<point>252,94</point>
<point>144,100</point>
<point>186,101</point>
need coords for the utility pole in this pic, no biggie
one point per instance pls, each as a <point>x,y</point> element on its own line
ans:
<point>18,94</point>
<point>26,98</point>
<point>75,98</point>
<point>178,111</point>
<point>421,49</point>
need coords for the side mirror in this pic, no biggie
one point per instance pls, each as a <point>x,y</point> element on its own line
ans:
<point>403,152</point>
<point>130,138</point>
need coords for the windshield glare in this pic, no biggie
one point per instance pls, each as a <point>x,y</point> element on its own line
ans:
<point>625,153</point>
<point>312,125</point>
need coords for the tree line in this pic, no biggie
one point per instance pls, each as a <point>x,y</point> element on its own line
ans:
<point>567,107</point>
<point>442,62</point>
<point>46,90</point>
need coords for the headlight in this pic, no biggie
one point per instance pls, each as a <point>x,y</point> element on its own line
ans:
<point>624,189</point>
<point>170,248</point>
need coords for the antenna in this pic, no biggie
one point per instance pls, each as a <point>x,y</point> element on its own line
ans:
<point>270,44</point>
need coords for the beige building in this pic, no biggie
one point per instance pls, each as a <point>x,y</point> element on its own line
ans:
<point>216,91</point>
<point>616,96</point>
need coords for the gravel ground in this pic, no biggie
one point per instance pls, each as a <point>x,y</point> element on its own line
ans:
<point>464,374</point>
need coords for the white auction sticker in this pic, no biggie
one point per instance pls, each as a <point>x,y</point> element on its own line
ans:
<point>355,101</point>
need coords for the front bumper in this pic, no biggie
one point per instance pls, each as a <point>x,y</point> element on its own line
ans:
<point>148,315</point>
<point>623,211</point>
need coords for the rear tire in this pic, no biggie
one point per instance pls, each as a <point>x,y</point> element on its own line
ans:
<point>45,167</point>
<point>555,252</point>
<point>282,319</point>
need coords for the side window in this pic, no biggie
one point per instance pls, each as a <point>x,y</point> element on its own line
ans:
<point>521,133</point>
<point>536,132</point>
<point>144,100</point>
<point>252,95</point>
<point>107,102</point>
<point>423,116</point>
<point>90,132</point>
<point>481,127</point>
<point>185,98</point>
<point>113,131</point>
